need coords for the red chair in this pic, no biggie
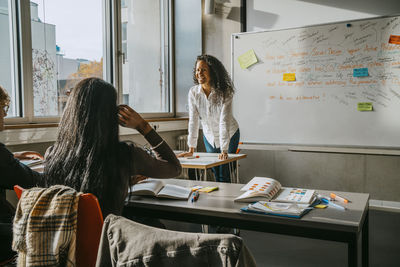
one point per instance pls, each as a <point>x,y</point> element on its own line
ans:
<point>89,226</point>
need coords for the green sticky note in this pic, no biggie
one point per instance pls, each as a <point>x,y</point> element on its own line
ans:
<point>364,106</point>
<point>247,59</point>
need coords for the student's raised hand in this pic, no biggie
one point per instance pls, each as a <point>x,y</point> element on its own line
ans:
<point>129,118</point>
<point>27,155</point>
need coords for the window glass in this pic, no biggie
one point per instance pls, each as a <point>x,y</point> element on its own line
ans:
<point>7,67</point>
<point>67,46</point>
<point>144,70</point>
<point>187,23</point>
<point>124,40</point>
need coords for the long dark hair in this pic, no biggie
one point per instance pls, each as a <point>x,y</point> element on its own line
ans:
<point>85,154</point>
<point>219,77</point>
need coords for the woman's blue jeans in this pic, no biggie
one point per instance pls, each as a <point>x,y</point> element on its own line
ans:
<point>222,173</point>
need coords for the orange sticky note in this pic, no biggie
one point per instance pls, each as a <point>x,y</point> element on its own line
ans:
<point>394,39</point>
<point>289,77</point>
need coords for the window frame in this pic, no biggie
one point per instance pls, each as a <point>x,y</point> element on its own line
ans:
<point>112,58</point>
<point>166,7</point>
<point>20,13</point>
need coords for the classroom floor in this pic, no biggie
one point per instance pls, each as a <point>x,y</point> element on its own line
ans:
<point>280,250</point>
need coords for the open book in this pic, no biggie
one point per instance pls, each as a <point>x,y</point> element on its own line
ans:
<point>268,189</point>
<point>31,162</point>
<point>156,187</point>
<point>293,210</point>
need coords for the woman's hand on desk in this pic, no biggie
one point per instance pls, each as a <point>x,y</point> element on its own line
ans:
<point>129,118</point>
<point>27,155</point>
<point>223,155</point>
<point>186,154</point>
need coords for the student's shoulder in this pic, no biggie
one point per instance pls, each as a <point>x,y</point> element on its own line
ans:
<point>5,153</point>
<point>124,146</point>
<point>2,146</point>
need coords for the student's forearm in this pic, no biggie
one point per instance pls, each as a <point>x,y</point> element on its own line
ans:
<point>144,128</point>
<point>165,165</point>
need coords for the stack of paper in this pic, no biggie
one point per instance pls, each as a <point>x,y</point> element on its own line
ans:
<point>280,209</point>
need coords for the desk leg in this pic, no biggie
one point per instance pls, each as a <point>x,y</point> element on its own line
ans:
<point>205,175</point>
<point>231,174</point>
<point>365,241</point>
<point>237,172</point>
<point>352,251</point>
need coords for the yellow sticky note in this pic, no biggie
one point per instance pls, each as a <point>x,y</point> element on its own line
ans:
<point>208,189</point>
<point>247,59</point>
<point>289,77</point>
<point>364,106</point>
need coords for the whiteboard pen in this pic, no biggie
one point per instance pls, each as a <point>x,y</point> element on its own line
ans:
<point>338,198</point>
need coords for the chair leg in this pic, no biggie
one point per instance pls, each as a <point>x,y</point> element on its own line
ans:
<point>204,228</point>
<point>236,231</point>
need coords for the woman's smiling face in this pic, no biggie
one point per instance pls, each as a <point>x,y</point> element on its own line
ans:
<point>202,72</point>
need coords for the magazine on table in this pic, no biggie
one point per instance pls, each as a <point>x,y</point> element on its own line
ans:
<point>269,189</point>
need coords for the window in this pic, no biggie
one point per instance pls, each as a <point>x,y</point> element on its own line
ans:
<point>67,46</point>
<point>7,56</point>
<point>48,46</point>
<point>145,44</point>
<point>187,34</point>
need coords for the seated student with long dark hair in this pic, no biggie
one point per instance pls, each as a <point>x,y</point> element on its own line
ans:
<point>12,172</point>
<point>88,155</point>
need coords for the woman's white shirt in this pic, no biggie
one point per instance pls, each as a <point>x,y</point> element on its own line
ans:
<point>215,116</point>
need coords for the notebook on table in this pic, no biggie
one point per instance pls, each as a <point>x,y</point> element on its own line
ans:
<point>157,188</point>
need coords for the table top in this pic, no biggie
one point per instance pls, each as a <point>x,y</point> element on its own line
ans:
<point>220,204</point>
<point>203,160</point>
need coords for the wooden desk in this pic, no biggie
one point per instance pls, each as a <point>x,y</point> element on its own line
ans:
<point>208,160</point>
<point>218,208</point>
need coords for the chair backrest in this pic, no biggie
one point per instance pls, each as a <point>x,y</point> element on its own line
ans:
<point>89,226</point>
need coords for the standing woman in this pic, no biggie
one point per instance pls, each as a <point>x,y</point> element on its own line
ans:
<point>210,102</point>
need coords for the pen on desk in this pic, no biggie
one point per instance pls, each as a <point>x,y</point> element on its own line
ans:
<point>338,198</point>
<point>323,197</point>
<point>333,205</point>
<point>195,196</point>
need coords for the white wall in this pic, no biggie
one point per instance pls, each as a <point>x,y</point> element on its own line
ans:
<point>217,30</point>
<point>374,174</point>
<point>272,14</point>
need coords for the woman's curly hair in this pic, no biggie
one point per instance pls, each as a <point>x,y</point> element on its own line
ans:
<point>4,98</point>
<point>219,77</point>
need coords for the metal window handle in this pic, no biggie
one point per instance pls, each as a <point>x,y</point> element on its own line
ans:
<point>122,54</point>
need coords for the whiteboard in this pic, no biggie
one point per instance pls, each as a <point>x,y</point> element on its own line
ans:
<point>320,106</point>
